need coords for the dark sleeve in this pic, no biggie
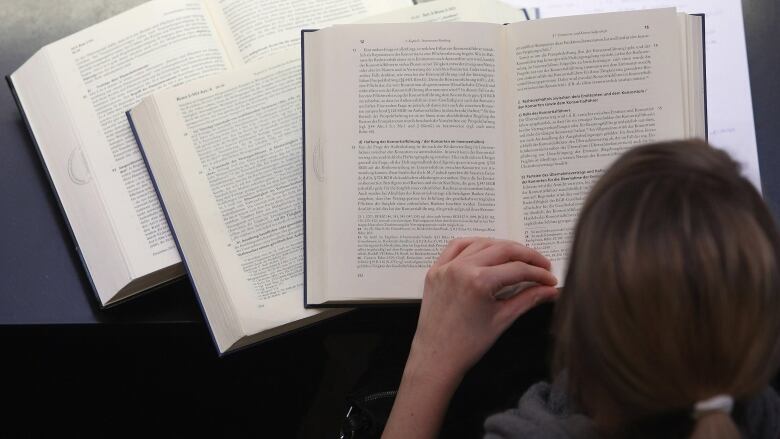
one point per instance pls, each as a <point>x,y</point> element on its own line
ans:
<point>760,416</point>
<point>544,412</point>
<point>531,418</point>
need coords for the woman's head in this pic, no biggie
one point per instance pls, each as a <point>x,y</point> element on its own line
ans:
<point>671,296</point>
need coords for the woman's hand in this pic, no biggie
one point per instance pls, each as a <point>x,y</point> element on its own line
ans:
<point>460,318</point>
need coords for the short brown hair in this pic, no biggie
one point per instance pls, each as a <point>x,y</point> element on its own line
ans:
<point>671,295</point>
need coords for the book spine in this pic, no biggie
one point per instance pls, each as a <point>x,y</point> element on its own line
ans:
<point>704,72</point>
<point>303,175</point>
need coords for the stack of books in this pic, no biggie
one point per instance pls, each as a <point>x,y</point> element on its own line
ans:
<point>294,166</point>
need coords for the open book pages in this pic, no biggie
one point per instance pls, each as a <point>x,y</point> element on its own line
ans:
<point>729,105</point>
<point>74,94</point>
<point>225,155</point>
<point>417,134</point>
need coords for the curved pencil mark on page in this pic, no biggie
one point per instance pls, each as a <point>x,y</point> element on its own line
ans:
<point>318,163</point>
<point>78,171</point>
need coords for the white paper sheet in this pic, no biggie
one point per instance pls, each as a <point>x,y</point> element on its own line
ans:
<point>729,104</point>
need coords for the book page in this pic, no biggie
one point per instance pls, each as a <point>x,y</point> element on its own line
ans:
<point>256,28</point>
<point>584,89</point>
<point>729,103</point>
<point>106,69</point>
<point>236,138</point>
<point>487,11</point>
<point>43,107</point>
<point>416,159</point>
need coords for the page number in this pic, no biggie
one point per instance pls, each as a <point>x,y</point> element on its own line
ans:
<point>646,26</point>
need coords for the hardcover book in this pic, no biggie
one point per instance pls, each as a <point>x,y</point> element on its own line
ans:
<point>415,134</point>
<point>225,155</point>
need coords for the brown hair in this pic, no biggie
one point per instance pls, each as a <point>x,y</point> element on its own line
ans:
<point>671,296</point>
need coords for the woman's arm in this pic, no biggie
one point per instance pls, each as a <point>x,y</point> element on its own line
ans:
<point>459,320</point>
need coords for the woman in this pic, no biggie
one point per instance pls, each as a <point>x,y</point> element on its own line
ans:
<point>668,324</point>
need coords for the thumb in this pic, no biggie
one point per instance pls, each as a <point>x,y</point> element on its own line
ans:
<point>518,305</point>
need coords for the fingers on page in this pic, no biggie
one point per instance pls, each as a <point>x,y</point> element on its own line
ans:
<point>506,251</point>
<point>453,249</point>
<point>477,246</point>
<point>514,272</point>
<point>521,303</point>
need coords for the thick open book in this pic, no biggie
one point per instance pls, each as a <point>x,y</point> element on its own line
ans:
<point>74,94</point>
<point>225,155</point>
<point>416,134</point>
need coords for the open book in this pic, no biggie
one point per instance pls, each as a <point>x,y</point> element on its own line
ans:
<point>225,156</point>
<point>417,134</point>
<point>74,93</point>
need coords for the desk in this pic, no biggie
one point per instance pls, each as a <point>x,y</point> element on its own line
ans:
<point>148,366</point>
<point>150,360</point>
